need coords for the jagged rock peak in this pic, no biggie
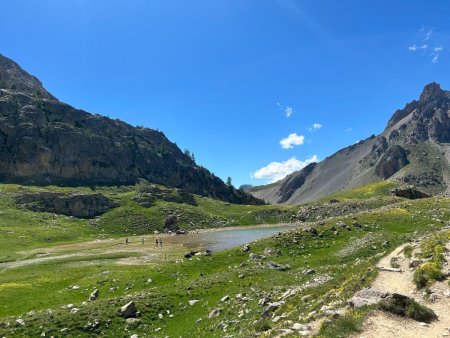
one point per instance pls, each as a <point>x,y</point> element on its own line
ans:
<point>432,91</point>
<point>14,78</point>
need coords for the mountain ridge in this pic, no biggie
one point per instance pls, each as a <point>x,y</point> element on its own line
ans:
<point>413,149</point>
<point>44,141</point>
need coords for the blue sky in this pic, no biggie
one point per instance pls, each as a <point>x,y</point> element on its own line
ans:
<point>254,88</point>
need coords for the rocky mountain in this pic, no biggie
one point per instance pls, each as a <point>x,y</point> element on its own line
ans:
<point>44,141</point>
<point>413,149</point>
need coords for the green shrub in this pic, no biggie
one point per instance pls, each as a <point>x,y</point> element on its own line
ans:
<point>394,263</point>
<point>406,307</point>
<point>262,325</point>
<point>342,326</point>
<point>407,251</point>
<point>427,274</point>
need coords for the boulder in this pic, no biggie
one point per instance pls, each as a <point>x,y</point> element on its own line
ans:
<point>272,307</point>
<point>94,294</point>
<point>215,313</point>
<point>277,266</point>
<point>128,310</point>
<point>410,193</point>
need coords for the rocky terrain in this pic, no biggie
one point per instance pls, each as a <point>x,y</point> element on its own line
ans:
<point>352,267</point>
<point>414,149</point>
<point>44,141</point>
<point>77,205</point>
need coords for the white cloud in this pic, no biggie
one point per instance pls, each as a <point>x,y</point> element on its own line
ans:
<point>427,37</point>
<point>276,171</point>
<point>428,34</point>
<point>292,140</point>
<point>348,130</point>
<point>414,48</point>
<point>289,111</point>
<point>315,126</point>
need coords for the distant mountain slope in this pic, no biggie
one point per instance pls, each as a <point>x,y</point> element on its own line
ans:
<point>414,149</point>
<point>44,141</point>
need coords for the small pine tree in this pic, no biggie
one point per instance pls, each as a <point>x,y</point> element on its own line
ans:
<point>229,182</point>
<point>193,157</point>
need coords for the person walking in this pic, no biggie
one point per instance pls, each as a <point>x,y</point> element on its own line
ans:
<point>160,242</point>
<point>156,242</point>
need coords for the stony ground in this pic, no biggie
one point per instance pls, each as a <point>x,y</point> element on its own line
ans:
<point>381,324</point>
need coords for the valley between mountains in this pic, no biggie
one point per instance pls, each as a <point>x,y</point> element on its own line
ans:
<point>110,230</point>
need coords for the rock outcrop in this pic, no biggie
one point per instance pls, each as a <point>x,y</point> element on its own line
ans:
<point>44,141</point>
<point>413,149</point>
<point>77,205</point>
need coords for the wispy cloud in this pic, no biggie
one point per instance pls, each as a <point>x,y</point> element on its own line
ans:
<point>428,33</point>
<point>289,111</point>
<point>348,130</point>
<point>427,38</point>
<point>276,171</point>
<point>292,140</point>
<point>315,126</point>
<point>414,48</point>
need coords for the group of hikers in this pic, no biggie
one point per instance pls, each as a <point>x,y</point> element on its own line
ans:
<point>158,241</point>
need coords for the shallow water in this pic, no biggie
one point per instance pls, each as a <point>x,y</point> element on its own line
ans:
<point>227,238</point>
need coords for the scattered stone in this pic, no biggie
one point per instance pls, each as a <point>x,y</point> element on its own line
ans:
<point>272,307</point>
<point>190,254</point>
<point>128,310</point>
<point>278,318</point>
<point>134,336</point>
<point>255,257</point>
<point>270,251</point>
<point>149,281</point>
<point>193,301</point>
<point>65,330</point>
<point>300,327</point>
<point>94,294</point>
<point>20,321</point>
<point>308,271</point>
<point>225,298</point>
<point>433,297</point>
<point>215,313</point>
<point>222,326</point>
<point>367,296</point>
<point>246,248</point>
<point>265,300</point>
<point>333,313</point>
<point>383,268</point>
<point>276,266</point>
<point>414,263</point>
<point>423,324</point>
<point>291,292</point>
<point>74,310</point>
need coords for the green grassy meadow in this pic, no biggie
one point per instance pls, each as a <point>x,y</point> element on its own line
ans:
<point>342,251</point>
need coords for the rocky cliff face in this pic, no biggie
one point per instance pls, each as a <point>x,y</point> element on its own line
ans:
<point>44,141</point>
<point>413,149</point>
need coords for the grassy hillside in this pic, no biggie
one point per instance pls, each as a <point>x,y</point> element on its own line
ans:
<point>22,229</point>
<point>62,260</point>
